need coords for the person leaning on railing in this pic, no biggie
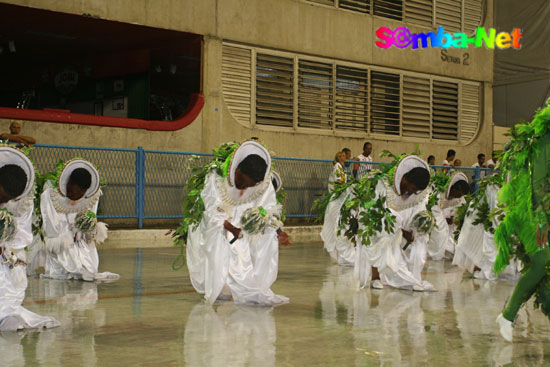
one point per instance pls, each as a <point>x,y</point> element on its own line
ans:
<point>15,137</point>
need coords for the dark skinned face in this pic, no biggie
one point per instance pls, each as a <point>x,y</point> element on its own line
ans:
<point>4,196</point>
<point>242,181</point>
<point>407,188</point>
<point>74,192</point>
<point>368,150</point>
<point>455,193</point>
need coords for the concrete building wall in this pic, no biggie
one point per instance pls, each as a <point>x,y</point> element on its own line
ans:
<point>293,26</point>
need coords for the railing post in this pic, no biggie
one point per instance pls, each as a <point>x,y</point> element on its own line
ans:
<point>477,177</point>
<point>140,186</point>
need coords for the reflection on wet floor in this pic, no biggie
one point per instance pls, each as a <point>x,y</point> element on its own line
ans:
<point>153,317</point>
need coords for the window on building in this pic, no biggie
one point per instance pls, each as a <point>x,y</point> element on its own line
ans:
<point>352,107</point>
<point>453,15</point>
<point>79,64</point>
<point>274,90</point>
<point>315,94</point>
<point>296,92</point>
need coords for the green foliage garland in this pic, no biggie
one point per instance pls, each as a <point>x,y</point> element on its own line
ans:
<point>516,233</point>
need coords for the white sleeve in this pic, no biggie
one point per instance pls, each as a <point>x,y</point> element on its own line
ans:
<point>23,234</point>
<point>57,233</point>
<point>213,216</point>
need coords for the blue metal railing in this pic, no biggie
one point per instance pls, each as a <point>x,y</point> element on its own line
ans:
<point>148,184</point>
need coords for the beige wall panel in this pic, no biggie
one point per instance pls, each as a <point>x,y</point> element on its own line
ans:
<point>297,26</point>
<point>187,139</point>
<point>196,16</point>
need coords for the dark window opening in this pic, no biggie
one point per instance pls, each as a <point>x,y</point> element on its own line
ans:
<point>79,64</point>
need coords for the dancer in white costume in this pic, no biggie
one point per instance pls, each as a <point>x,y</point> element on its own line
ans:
<point>398,254</point>
<point>16,207</point>
<point>340,248</point>
<point>476,250</point>
<point>234,250</point>
<point>448,199</point>
<point>71,230</point>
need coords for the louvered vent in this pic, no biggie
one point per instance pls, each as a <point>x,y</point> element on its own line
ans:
<point>470,112</point>
<point>315,95</point>
<point>447,14</point>
<point>473,15</point>
<point>325,2</point>
<point>384,102</point>
<point>351,98</point>
<point>392,9</point>
<point>445,110</point>
<point>236,81</point>
<point>416,107</point>
<point>274,90</point>
<point>361,6</point>
<point>419,12</point>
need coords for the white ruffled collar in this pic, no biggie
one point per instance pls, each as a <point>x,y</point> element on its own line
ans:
<point>396,202</point>
<point>63,204</point>
<point>231,195</point>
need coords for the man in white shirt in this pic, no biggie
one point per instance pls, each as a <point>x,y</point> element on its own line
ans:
<point>450,158</point>
<point>362,169</point>
<point>491,163</point>
<point>481,164</point>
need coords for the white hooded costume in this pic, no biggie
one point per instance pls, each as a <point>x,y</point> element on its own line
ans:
<point>70,253</point>
<point>398,267</point>
<point>13,277</point>
<point>246,268</point>
<point>442,236</point>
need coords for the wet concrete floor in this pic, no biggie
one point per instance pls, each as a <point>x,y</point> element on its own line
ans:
<point>153,317</point>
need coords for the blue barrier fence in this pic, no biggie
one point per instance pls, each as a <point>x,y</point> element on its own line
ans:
<point>148,184</point>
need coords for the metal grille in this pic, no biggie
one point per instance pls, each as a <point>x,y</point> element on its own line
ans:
<point>470,112</point>
<point>116,166</point>
<point>392,9</point>
<point>384,103</point>
<point>325,2</point>
<point>448,14</point>
<point>473,15</point>
<point>236,81</point>
<point>315,94</point>
<point>444,110</point>
<point>148,184</point>
<point>419,12</point>
<point>416,107</point>
<point>352,98</point>
<point>361,6</point>
<point>165,175</point>
<point>274,90</point>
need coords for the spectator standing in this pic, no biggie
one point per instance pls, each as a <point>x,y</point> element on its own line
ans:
<point>347,165</point>
<point>481,164</point>
<point>362,169</point>
<point>492,163</point>
<point>448,161</point>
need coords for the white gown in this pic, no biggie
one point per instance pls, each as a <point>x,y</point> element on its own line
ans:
<point>442,236</point>
<point>398,268</point>
<point>13,282</point>
<point>476,246</point>
<point>69,254</point>
<point>338,246</point>
<point>245,269</point>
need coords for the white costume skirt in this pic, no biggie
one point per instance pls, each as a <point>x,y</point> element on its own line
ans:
<point>13,316</point>
<point>77,261</point>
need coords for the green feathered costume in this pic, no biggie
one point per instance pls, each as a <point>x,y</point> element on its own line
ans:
<point>525,200</point>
